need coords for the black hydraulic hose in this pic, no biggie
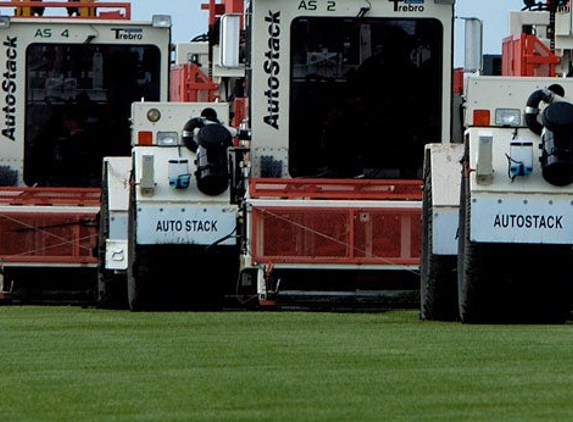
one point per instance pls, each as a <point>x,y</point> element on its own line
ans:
<point>188,133</point>
<point>532,108</point>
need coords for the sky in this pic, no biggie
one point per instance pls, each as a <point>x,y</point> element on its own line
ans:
<point>189,20</point>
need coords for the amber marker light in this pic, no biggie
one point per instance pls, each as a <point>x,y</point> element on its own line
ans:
<point>482,118</point>
<point>145,138</point>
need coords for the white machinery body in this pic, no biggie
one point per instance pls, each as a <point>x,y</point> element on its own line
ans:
<point>168,215</point>
<point>520,209</point>
<point>504,209</point>
<point>446,169</point>
<point>117,187</point>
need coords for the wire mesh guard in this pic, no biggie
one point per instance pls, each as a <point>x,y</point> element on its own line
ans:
<point>368,236</point>
<point>328,221</point>
<point>47,239</point>
<point>49,225</point>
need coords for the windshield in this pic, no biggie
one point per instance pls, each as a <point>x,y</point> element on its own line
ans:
<point>78,104</point>
<point>366,96</point>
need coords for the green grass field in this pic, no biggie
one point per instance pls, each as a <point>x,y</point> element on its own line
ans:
<point>74,364</point>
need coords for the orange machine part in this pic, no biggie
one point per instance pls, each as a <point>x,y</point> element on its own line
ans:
<point>189,83</point>
<point>349,189</point>
<point>218,9</point>
<point>31,233</point>
<point>458,80</point>
<point>526,55</point>
<point>319,234</point>
<point>385,234</point>
<point>90,9</point>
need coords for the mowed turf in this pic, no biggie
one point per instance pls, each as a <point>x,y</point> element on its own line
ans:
<point>74,364</point>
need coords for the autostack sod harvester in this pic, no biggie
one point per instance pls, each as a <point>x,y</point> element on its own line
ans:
<point>68,80</point>
<point>322,194</point>
<point>498,208</point>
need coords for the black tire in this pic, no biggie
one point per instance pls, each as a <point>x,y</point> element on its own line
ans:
<point>139,282</point>
<point>139,276</point>
<point>511,283</point>
<point>112,287</point>
<point>438,282</point>
<point>179,278</point>
<point>137,272</point>
<point>472,295</point>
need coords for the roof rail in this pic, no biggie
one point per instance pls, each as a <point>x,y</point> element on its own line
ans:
<point>86,9</point>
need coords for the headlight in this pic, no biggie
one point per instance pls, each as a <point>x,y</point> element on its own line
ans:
<point>507,117</point>
<point>167,139</point>
<point>161,21</point>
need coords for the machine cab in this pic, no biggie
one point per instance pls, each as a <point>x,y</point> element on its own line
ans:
<point>68,84</point>
<point>348,92</point>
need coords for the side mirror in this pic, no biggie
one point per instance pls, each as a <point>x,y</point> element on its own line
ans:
<point>473,56</point>
<point>229,40</point>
